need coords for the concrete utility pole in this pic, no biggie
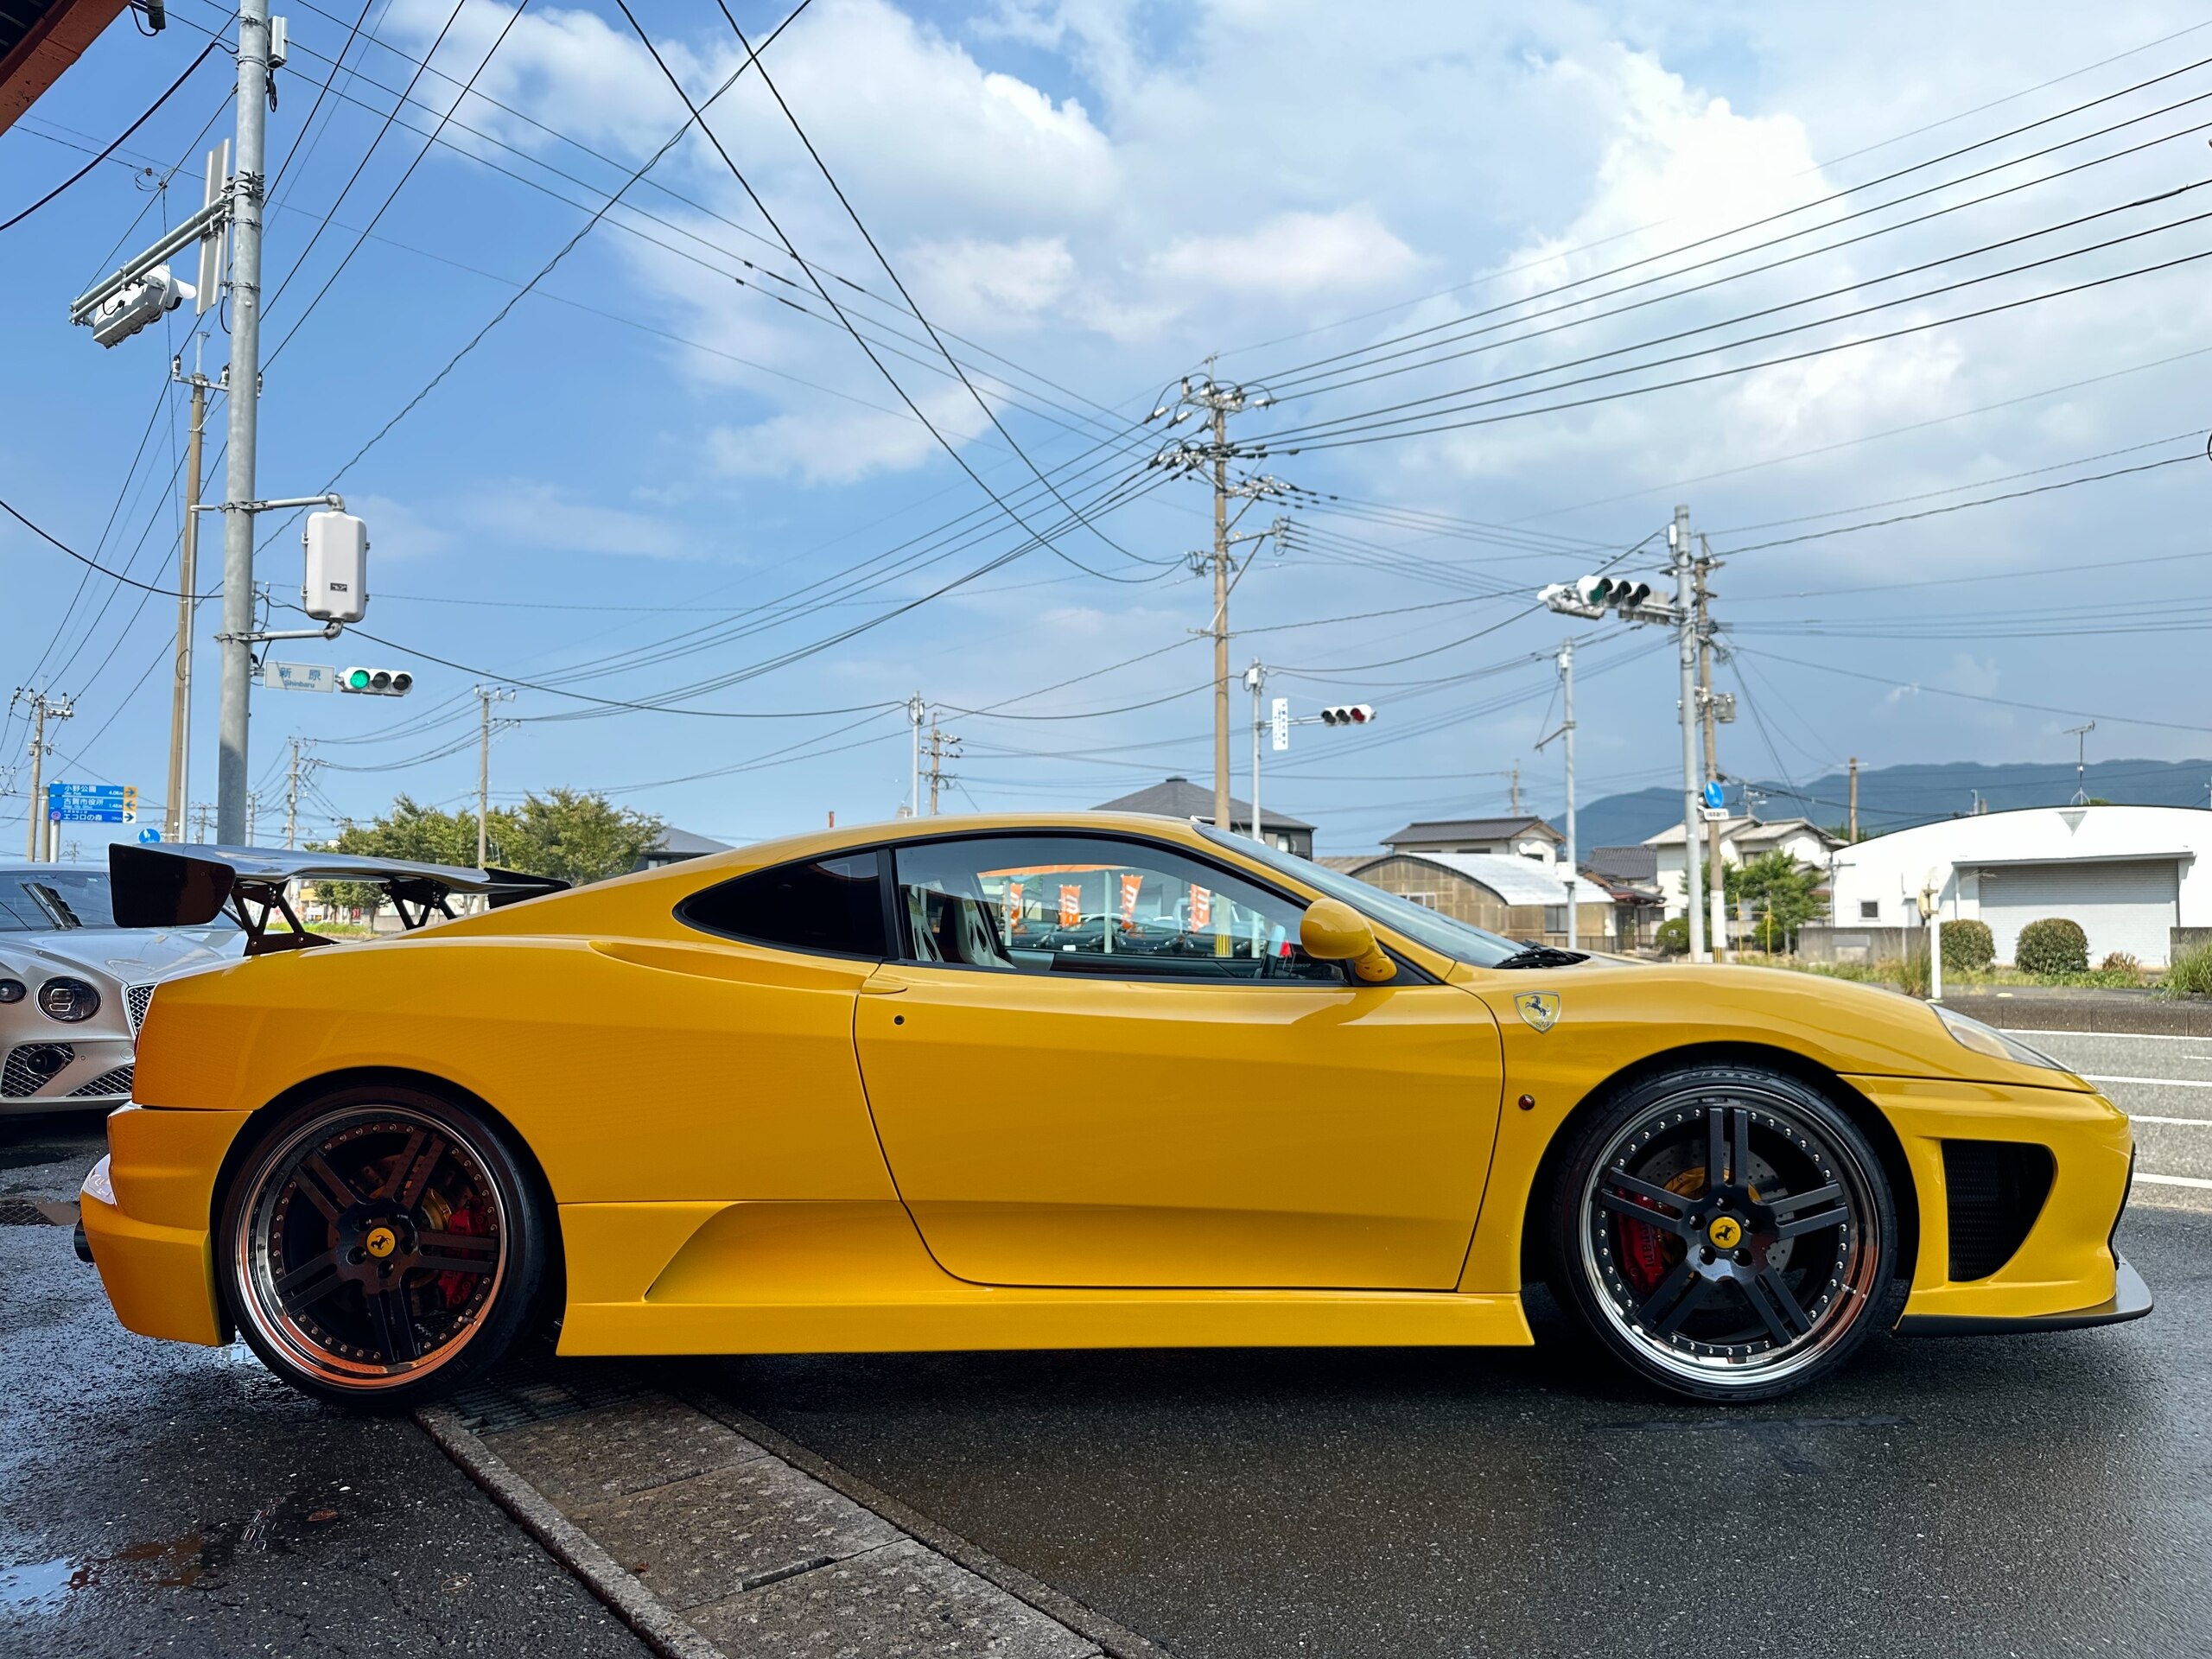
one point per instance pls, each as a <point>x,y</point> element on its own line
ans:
<point>942,747</point>
<point>1686,641</point>
<point>188,576</point>
<point>916,708</point>
<point>43,709</point>
<point>252,814</point>
<point>1850,825</point>
<point>1716,884</point>
<point>292,798</point>
<point>202,813</point>
<point>237,659</point>
<point>1515,774</point>
<point>1567,732</point>
<point>486,696</point>
<point>1255,678</point>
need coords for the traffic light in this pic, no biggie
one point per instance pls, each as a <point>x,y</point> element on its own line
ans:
<point>377,682</point>
<point>153,296</point>
<point>1348,714</point>
<point>1593,596</point>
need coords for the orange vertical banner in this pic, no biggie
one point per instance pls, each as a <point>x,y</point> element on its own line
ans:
<point>1071,904</point>
<point>1014,921</point>
<point>1131,886</point>
<point>1201,907</point>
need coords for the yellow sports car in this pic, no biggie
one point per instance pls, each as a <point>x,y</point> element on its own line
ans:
<point>1059,1082</point>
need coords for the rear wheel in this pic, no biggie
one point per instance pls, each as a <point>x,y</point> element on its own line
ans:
<point>1727,1233</point>
<point>382,1245</point>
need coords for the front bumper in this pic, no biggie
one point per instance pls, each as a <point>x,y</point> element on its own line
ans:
<point>147,1210</point>
<point>2063,1273</point>
<point>95,1075</point>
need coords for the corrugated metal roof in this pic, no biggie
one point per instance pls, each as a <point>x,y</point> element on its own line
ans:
<point>1179,797</point>
<point>1471,830</point>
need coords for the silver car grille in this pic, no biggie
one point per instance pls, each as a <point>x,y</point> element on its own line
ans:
<point>114,1081</point>
<point>135,998</point>
<point>31,1066</point>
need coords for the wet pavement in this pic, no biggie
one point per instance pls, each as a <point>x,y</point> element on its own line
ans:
<point>156,1498</point>
<point>2024,1495</point>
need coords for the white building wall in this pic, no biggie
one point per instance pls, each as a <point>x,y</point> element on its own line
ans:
<point>2117,898</point>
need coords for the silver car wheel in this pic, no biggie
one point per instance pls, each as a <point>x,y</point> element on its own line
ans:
<point>1730,1237</point>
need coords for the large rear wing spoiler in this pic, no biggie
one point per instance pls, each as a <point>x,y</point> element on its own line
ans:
<point>162,886</point>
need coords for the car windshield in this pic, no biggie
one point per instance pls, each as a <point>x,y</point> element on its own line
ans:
<point>1457,940</point>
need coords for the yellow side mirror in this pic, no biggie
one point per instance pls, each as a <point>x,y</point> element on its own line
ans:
<point>1331,930</point>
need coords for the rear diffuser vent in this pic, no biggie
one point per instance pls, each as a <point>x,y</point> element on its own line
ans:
<point>1997,1190</point>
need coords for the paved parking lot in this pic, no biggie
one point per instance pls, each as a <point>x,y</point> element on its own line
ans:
<point>2164,1083</point>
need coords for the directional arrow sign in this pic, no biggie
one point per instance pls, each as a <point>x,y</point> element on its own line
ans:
<point>92,803</point>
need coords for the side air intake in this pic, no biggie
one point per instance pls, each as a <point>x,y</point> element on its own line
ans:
<point>1996,1190</point>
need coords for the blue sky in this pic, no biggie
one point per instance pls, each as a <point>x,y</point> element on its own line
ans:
<point>670,477</point>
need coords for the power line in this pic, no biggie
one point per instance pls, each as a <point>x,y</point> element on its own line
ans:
<point>204,52</point>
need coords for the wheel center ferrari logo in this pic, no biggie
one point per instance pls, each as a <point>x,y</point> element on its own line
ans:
<point>1539,1008</point>
<point>1727,1232</point>
<point>381,1242</point>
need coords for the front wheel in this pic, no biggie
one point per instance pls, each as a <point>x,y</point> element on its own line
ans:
<point>1727,1232</point>
<point>380,1246</point>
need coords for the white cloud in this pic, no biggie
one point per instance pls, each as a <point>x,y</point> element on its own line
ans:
<point>1294,255</point>
<point>546,517</point>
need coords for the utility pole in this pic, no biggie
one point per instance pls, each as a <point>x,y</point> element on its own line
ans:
<point>1851,824</point>
<point>1216,402</point>
<point>486,696</point>
<point>187,569</point>
<point>1255,678</point>
<point>292,798</point>
<point>1567,732</point>
<point>941,748</point>
<point>1685,642</point>
<point>200,815</point>
<point>247,193</point>
<point>1716,885</point>
<point>252,813</point>
<point>915,709</point>
<point>43,709</point>
<point>188,576</point>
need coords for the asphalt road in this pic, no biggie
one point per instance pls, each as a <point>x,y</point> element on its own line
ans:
<point>2164,1083</point>
<point>2029,1496</point>
<point>157,1499</point>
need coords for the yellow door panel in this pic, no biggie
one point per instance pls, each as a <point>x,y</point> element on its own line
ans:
<point>1087,1131</point>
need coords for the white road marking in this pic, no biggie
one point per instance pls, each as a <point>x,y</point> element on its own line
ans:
<point>2163,1083</point>
<point>2175,1180</point>
<point>2131,1036</point>
<point>2198,1122</point>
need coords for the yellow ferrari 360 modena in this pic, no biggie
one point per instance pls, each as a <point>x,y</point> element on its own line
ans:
<point>1055,1082</point>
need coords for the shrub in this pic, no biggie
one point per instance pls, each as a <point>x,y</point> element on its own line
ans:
<point>2053,945</point>
<point>2191,973</point>
<point>1967,945</point>
<point>2121,962</point>
<point>1909,973</point>
<point>1673,937</point>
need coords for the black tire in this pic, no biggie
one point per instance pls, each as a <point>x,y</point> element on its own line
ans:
<point>1762,1283</point>
<point>381,1245</point>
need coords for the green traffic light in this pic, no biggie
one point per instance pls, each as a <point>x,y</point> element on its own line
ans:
<point>358,680</point>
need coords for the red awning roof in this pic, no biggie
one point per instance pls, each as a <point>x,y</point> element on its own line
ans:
<point>39,38</point>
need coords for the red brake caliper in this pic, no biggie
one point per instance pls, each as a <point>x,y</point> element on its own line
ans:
<point>1648,1253</point>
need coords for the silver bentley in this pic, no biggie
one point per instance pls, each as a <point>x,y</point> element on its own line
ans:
<point>74,987</point>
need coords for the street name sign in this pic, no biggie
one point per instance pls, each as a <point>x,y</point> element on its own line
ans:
<point>299,676</point>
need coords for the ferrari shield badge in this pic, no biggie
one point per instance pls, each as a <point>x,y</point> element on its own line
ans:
<point>1539,1008</point>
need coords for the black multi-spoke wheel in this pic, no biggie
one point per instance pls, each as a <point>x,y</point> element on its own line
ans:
<point>1727,1232</point>
<point>381,1245</point>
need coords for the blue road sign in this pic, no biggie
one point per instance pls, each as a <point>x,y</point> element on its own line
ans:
<point>93,803</point>
<point>149,836</point>
<point>1714,797</point>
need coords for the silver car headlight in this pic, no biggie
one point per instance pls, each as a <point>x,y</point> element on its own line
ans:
<point>68,1000</point>
<point>1997,1044</point>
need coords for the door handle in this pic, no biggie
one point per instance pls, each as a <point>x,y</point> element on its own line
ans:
<point>879,986</point>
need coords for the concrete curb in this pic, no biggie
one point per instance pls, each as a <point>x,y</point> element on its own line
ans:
<point>1085,1621</point>
<point>658,1626</point>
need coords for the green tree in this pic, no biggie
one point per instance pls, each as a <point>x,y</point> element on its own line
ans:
<point>1776,891</point>
<point>577,836</point>
<point>410,831</point>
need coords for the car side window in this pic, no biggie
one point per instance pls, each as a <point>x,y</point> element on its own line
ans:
<point>1094,905</point>
<point>833,906</point>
